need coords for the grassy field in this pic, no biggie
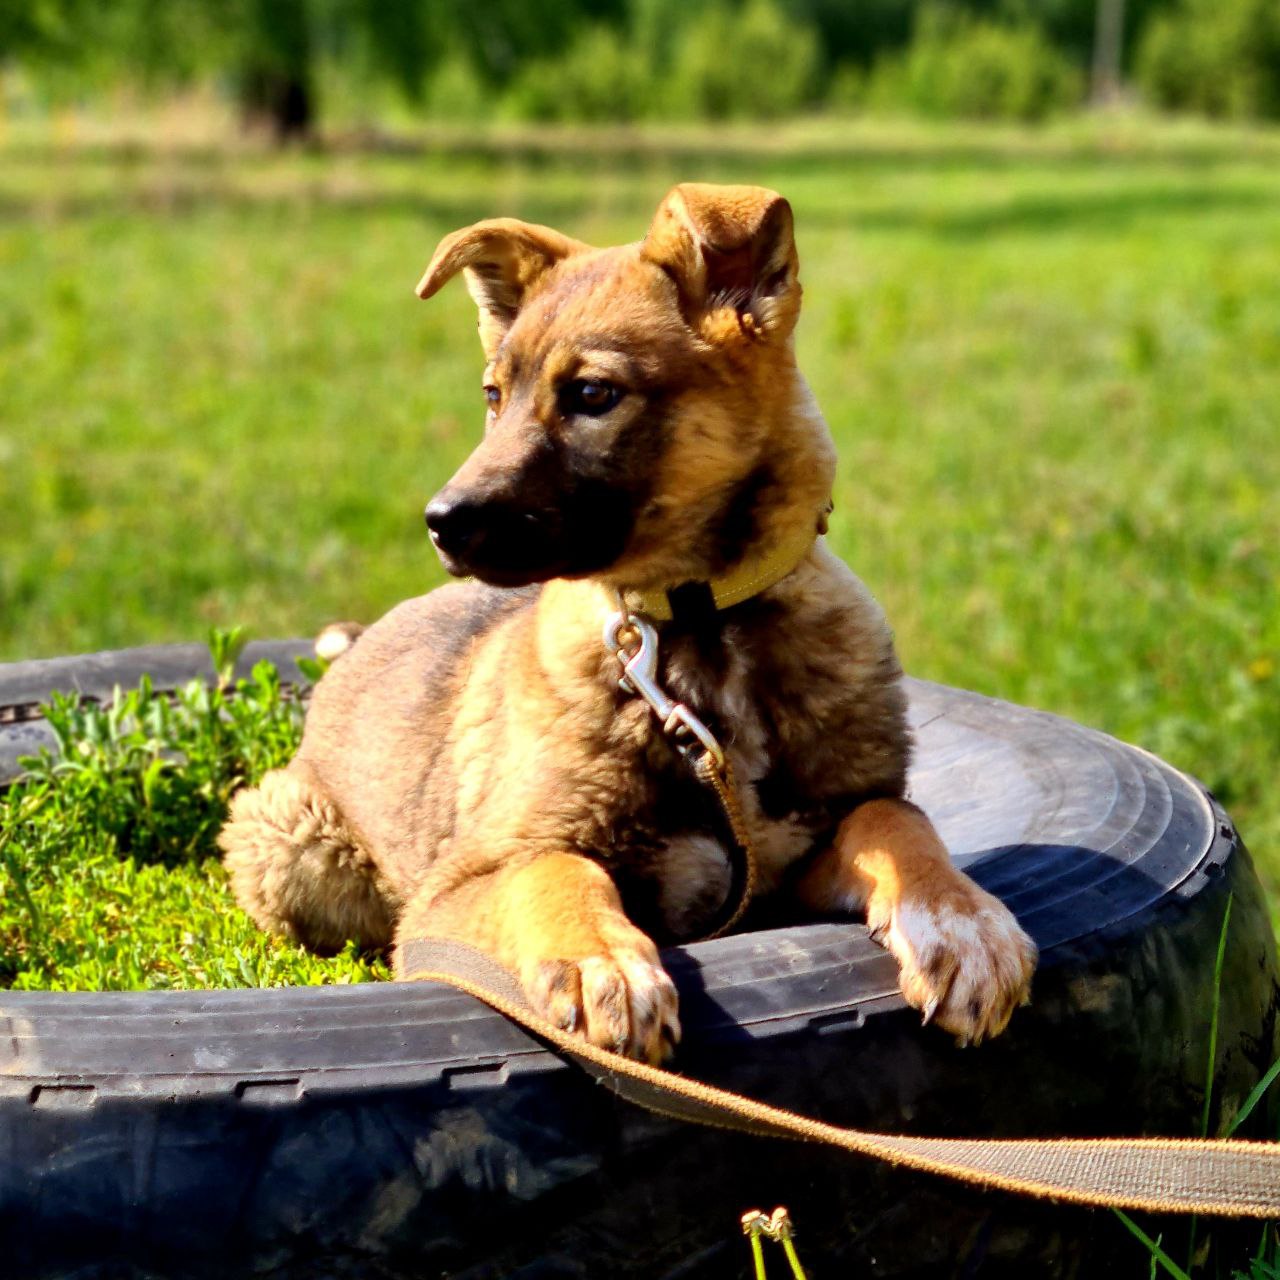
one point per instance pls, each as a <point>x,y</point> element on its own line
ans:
<point>1052,363</point>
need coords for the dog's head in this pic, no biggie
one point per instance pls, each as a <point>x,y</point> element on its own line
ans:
<point>646,421</point>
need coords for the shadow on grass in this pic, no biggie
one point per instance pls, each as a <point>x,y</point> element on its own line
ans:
<point>840,145</point>
<point>1100,211</point>
<point>1114,210</point>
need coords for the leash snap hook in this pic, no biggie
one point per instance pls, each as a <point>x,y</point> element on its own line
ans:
<point>681,724</point>
<point>639,664</point>
<point>633,640</point>
<point>640,676</point>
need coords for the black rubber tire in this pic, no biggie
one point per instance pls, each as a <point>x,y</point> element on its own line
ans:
<point>404,1130</point>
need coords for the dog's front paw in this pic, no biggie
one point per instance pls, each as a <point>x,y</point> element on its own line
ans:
<point>964,961</point>
<point>621,1000</point>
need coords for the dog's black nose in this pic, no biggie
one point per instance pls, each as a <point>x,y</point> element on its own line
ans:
<point>455,525</point>
<point>495,537</point>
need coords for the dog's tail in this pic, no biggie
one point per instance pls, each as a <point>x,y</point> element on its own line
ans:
<point>335,639</point>
<point>298,869</point>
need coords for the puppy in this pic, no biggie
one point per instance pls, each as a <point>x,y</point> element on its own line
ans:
<point>471,768</point>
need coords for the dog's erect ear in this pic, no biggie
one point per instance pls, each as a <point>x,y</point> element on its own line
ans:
<point>729,247</point>
<point>501,258</point>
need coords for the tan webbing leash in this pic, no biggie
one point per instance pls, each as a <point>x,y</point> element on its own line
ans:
<point>1170,1175</point>
<point>1161,1175</point>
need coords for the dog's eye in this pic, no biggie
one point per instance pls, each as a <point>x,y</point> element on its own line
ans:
<point>586,395</point>
<point>492,396</point>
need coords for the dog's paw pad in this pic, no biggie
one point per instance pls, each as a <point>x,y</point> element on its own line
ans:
<point>964,962</point>
<point>622,1002</point>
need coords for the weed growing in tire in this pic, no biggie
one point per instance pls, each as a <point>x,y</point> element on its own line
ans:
<point>1265,1264</point>
<point>109,878</point>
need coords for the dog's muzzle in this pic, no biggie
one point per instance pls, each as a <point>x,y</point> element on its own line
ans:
<point>498,541</point>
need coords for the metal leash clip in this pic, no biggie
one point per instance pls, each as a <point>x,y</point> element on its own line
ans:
<point>640,676</point>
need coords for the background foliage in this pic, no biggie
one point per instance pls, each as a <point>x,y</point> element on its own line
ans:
<point>1218,59</point>
<point>286,62</point>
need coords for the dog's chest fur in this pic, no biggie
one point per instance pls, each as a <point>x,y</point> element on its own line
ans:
<point>692,871</point>
<point>490,746</point>
<point>801,687</point>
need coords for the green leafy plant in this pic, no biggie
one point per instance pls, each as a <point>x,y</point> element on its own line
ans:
<point>752,62</point>
<point>1215,57</point>
<point>225,648</point>
<point>109,876</point>
<point>963,67</point>
<point>598,78</point>
<point>741,61</point>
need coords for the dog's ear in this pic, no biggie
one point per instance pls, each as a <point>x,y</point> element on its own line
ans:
<point>729,247</point>
<point>501,258</point>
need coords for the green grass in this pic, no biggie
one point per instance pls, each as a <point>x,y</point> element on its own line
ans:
<point>106,845</point>
<point>1051,361</point>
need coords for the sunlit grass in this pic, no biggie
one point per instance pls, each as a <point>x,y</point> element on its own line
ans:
<point>1052,363</point>
<point>109,879</point>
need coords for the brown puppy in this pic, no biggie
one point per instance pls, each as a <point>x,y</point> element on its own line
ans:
<point>471,768</point>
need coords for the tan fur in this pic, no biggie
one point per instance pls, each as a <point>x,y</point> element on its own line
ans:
<point>888,862</point>
<point>336,639</point>
<point>299,870</point>
<point>470,768</point>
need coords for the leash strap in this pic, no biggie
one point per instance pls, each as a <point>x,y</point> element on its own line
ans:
<point>633,640</point>
<point>717,776</point>
<point>1231,1177</point>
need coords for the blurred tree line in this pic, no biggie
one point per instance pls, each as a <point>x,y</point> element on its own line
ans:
<point>284,60</point>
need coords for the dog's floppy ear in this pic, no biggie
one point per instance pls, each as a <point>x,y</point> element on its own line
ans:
<point>501,259</point>
<point>729,247</point>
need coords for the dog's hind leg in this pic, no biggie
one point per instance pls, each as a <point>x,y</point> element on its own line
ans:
<point>298,869</point>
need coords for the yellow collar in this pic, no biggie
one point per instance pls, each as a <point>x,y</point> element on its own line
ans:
<point>754,575</point>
